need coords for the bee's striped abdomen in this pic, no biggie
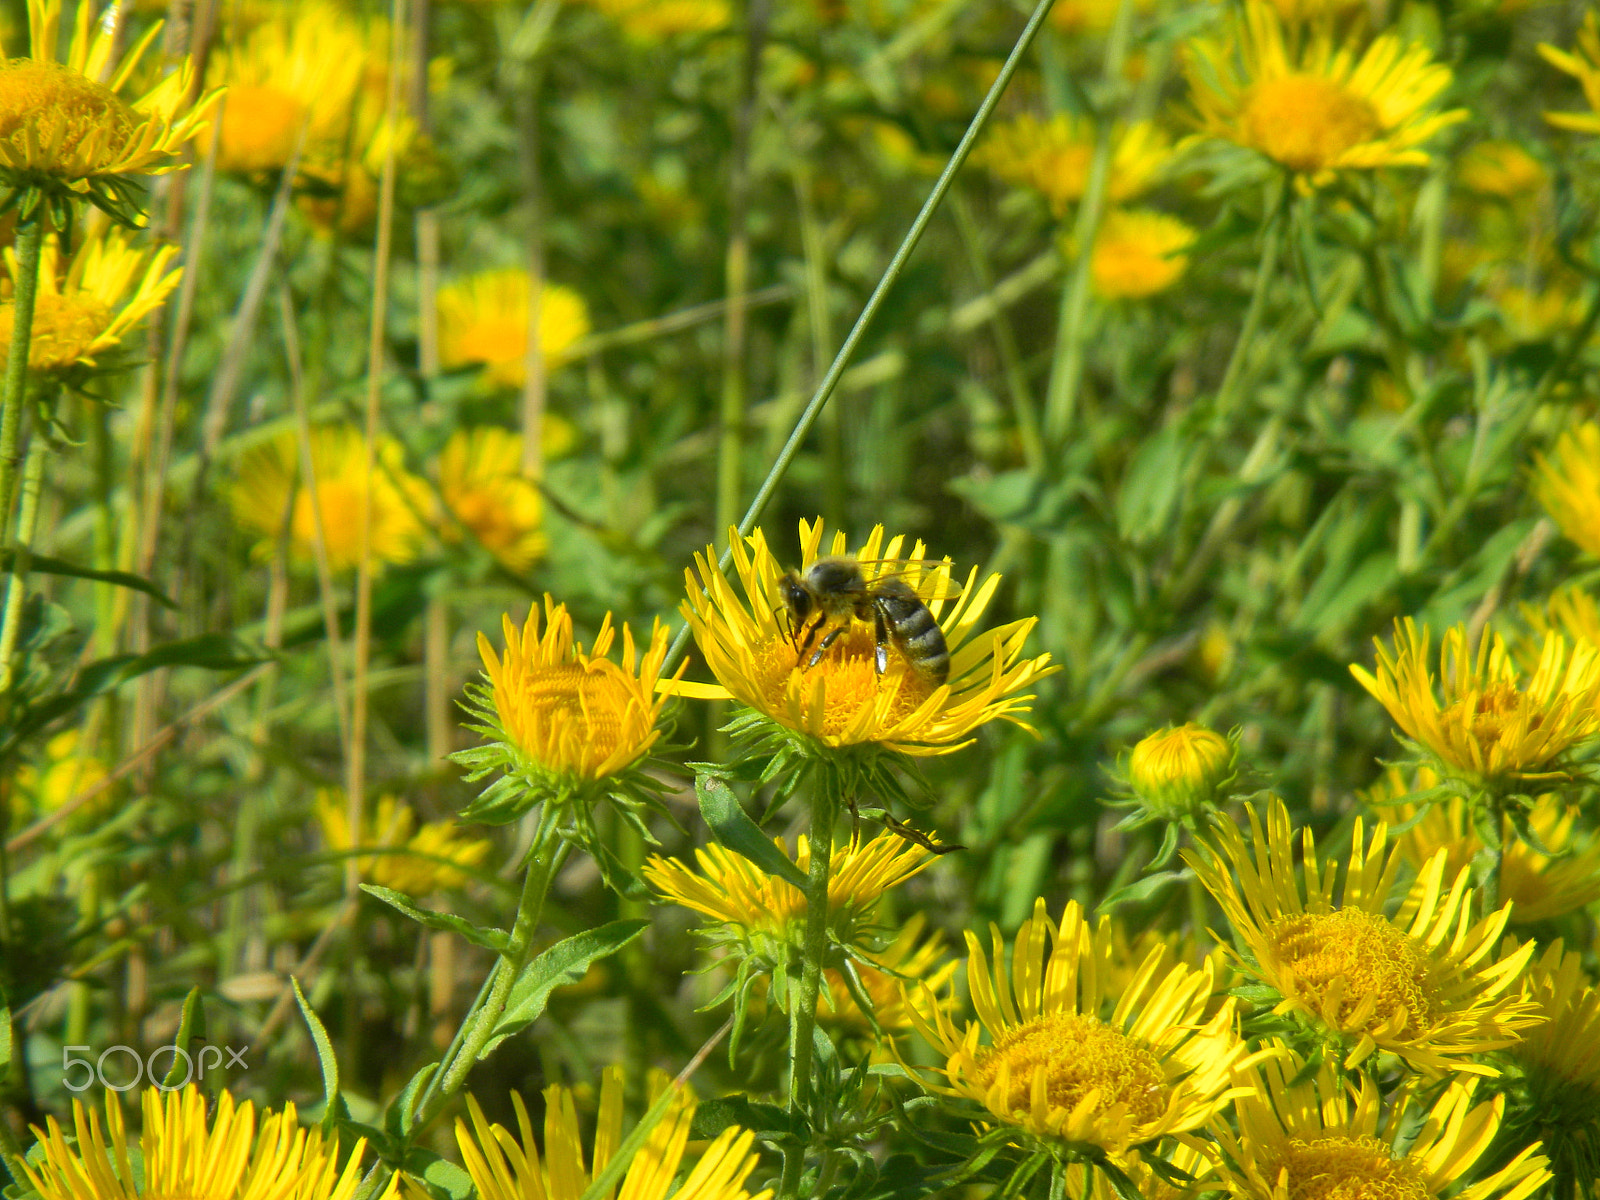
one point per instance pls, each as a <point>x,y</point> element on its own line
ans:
<point>914,630</point>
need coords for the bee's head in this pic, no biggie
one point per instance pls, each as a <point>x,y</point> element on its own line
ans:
<point>834,576</point>
<point>797,597</point>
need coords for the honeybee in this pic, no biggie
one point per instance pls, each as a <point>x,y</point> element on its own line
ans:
<point>833,591</point>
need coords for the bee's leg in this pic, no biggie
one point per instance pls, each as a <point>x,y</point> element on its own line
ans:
<point>804,636</point>
<point>881,646</point>
<point>822,648</point>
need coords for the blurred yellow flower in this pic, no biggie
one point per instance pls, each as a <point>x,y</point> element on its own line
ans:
<point>1584,66</point>
<point>64,774</point>
<point>293,76</point>
<point>1569,611</point>
<point>270,487</point>
<point>1490,728</point>
<point>1323,109</point>
<point>1327,1136</point>
<point>411,860</point>
<point>570,712</point>
<point>481,481</point>
<point>1539,887</point>
<point>484,319</point>
<point>842,699</point>
<point>184,1151</point>
<point>88,310</point>
<point>62,128</point>
<point>504,1165</point>
<point>1138,253</point>
<point>656,20</point>
<point>1091,16</point>
<point>1503,170</point>
<point>1052,157</point>
<point>1560,1063</point>
<point>1295,12</point>
<point>1065,1058</point>
<point>1426,985</point>
<point>1567,483</point>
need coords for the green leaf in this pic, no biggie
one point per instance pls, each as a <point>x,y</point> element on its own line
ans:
<point>769,1122</point>
<point>443,1178</point>
<point>325,1057</point>
<point>489,939</point>
<point>1142,889</point>
<point>398,1116</point>
<point>734,829</point>
<point>565,962</point>
<point>45,565</point>
<point>191,1028</point>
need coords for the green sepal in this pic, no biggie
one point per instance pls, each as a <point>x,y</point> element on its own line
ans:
<point>489,939</point>
<point>397,1117</point>
<point>1143,889</point>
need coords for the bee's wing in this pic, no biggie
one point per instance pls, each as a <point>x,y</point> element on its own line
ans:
<point>926,575</point>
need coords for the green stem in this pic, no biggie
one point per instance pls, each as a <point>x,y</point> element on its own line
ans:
<point>803,1016</point>
<point>27,522</point>
<point>30,243</point>
<point>1266,272</point>
<point>891,275</point>
<point>545,856</point>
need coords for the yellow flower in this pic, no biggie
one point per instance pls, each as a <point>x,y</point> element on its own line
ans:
<point>62,128</point>
<point>1053,157</point>
<point>1557,1097</point>
<point>1301,11</point>
<point>1324,1137</point>
<point>293,76</point>
<point>484,319</point>
<point>1057,1053</point>
<point>1585,67</point>
<point>415,861</point>
<point>766,914</point>
<point>88,311</point>
<point>657,20</point>
<point>842,699</point>
<point>1568,484</point>
<point>1489,729</point>
<point>504,1166</point>
<point>270,486</point>
<point>1425,985</point>
<point>481,481</point>
<point>66,773</point>
<point>1570,612</point>
<point>569,712</point>
<point>185,1154</point>
<point>1539,887</point>
<point>1179,769</point>
<point>1138,253</point>
<point>1323,109</point>
<point>1503,170</point>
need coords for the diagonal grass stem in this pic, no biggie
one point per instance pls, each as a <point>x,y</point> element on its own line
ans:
<point>891,275</point>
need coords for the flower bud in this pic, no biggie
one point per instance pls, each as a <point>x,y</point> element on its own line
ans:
<point>1183,768</point>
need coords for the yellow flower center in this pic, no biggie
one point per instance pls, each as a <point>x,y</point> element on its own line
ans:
<point>1079,1055</point>
<point>64,329</point>
<point>848,671</point>
<point>260,126</point>
<point>93,119</point>
<point>1495,715</point>
<point>1306,122</point>
<point>500,513</point>
<point>1343,1168</point>
<point>1369,954</point>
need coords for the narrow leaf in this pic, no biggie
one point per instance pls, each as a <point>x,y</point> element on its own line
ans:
<point>191,1028</point>
<point>489,939</point>
<point>325,1057</point>
<point>734,829</point>
<point>565,962</point>
<point>45,565</point>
